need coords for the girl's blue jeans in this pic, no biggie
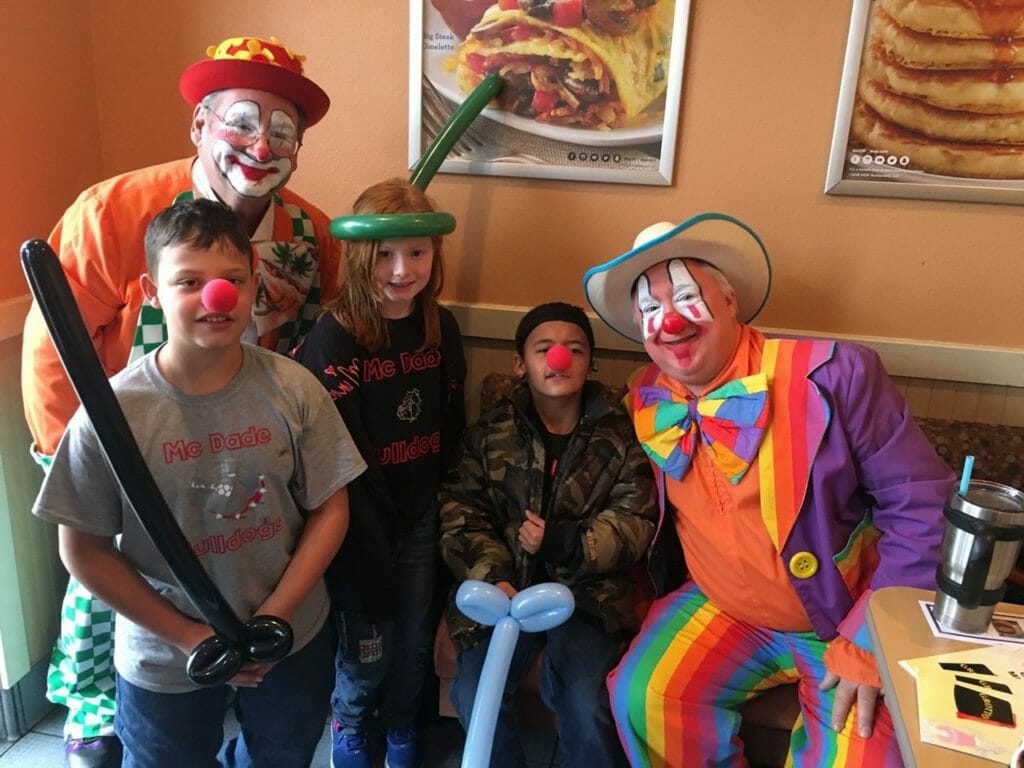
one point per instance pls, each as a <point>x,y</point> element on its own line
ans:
<point>380,668</point>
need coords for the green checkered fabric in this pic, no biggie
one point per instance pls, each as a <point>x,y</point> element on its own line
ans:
<point>293,331</point>
<point>80,675</point>
<point>151,330</point>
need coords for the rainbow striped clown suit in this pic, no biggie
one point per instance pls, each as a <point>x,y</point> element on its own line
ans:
<point>796,484</point>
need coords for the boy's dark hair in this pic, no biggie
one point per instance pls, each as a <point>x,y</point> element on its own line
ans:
<point>197,223</point>
<point>555,310</point>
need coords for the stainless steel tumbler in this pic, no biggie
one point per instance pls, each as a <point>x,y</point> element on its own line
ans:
<point>982,538</point>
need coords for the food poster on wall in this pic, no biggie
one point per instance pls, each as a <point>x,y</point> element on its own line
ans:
<point>590,88</point>
<point>932,101</point>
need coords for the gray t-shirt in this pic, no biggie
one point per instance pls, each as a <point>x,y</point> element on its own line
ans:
<point>237,467</point>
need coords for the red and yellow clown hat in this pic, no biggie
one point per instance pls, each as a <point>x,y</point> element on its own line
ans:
<point>263,65</point>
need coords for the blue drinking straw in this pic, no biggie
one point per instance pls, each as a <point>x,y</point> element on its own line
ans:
<point>965,478</point>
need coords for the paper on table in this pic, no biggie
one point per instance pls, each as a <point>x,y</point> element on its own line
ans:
<point>972,700</point>
<point>1005,628</point>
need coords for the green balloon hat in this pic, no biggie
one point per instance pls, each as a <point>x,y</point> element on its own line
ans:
<point>395,225</point>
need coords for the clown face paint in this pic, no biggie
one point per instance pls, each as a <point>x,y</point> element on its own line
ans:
<point>687,300</point>
<point>652,313</point>
<point>686,294</point>
<point>692,353</point>
<point>251,169</point>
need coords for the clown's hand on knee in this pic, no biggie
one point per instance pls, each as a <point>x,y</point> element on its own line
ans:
<point>847,694</point>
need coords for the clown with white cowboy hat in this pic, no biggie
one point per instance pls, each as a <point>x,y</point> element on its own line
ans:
<point>796,481</point>
<point>725,243</point>
<point>252,102</point>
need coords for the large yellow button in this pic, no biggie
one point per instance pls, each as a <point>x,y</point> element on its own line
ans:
<point>803,565</point>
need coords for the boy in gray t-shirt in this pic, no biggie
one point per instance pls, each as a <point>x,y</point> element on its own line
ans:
<point>253,459</point>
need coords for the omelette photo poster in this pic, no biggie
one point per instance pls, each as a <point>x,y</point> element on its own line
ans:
<point>931,103</point>
<point>590,88</point>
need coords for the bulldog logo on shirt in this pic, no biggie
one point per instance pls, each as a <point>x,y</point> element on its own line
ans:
<point>411,406</point>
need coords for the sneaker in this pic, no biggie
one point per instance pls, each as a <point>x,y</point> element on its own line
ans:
<point>403,749</point>
<point>349,751</point>
<point>97,752</point>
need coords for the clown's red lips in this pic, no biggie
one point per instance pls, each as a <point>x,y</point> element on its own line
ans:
<point>252,174</point>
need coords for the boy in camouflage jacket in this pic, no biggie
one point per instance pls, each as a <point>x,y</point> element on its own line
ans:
<point>552,486</point>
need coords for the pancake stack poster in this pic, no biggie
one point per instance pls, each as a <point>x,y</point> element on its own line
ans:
<point>931,103</point>
<point>590,88</point>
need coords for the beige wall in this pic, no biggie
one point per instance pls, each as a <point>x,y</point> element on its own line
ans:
<point>758,103</point>
<point>51,151</point>
<point>48,114</point>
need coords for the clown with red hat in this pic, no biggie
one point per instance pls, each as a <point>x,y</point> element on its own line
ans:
<point>262,65</point>
<point>252,102</point>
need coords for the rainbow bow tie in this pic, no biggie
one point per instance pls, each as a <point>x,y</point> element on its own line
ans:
<point>731,421</point>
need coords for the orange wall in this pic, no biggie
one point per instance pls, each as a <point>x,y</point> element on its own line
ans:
<point>758,105</point>
<point>49,117</point>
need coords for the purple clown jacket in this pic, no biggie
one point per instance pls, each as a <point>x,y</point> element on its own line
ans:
<point>872,506</point>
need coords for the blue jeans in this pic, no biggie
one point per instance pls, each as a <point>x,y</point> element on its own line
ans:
<point>282,718</point>
<point>578,655</point>
<point>380,668</point>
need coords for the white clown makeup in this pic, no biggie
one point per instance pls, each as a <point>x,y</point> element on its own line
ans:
<point>687,300</point>
<point>248,175</point>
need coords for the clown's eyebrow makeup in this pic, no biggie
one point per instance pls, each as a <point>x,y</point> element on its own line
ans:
<point>245,113</point>
<point>686,294</point>
<point>651,310</point>
<point>281,124</point>
<point>244,119</point>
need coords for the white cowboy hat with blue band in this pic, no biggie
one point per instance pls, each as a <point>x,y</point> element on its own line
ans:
<point>722,241</point>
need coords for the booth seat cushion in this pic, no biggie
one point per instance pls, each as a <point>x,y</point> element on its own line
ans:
<point>998,449</point>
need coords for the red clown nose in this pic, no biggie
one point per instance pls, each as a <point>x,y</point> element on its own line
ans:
<point>558,358</point>
<point>673,323</point>
<point>219,296</point>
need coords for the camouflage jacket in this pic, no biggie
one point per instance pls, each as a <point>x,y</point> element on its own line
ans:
<point>599,520</point>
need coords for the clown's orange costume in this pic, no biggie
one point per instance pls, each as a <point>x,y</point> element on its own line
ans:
<point>99,240</point>
<point>252,104</point>
<point>796,481</point>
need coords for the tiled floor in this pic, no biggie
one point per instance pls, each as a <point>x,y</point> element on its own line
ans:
<point>42,747</point>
